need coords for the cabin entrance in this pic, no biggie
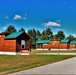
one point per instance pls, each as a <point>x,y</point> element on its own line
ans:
<point>22,44</point>
<point>68,46</point>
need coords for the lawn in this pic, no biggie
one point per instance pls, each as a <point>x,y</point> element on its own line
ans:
<point>53,51</point>
<point>11,63</point>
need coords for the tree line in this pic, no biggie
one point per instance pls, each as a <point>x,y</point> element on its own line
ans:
<point>46,34</point>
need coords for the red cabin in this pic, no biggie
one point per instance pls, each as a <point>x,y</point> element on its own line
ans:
<point>53,44</point>
<point>14,43</point>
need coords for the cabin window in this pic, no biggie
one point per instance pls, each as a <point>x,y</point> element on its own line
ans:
<point>45,44</point>
<point>22,44</point>
<point>53,44</point>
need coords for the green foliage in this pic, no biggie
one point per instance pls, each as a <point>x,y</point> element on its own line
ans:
<point>47,34</point>
<point>10,29</point>
<point>32,34</point>
<point>44,37</point>
<point>60,35</point>
<point>38,34</point>
<point>43,32</point>
<point>55,37</point>
<point>70,37</point>
<point>22,30</point>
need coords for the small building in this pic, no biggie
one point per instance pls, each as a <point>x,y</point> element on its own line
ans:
<point>14,43</point>
<point>73,45</point>
<point>53,44</point>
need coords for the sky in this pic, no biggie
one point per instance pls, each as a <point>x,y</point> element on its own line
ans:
<point>39,14</point>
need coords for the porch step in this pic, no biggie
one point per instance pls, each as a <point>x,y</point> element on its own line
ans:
<point>25,52</point>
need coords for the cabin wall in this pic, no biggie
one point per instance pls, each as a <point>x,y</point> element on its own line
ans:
<point>51,45</point>
<point>72,46</point>
<point>63,46</point>
<point>10,45</point>
<point>18,42</point>
<point>7,45</point>
<point>54,45</point>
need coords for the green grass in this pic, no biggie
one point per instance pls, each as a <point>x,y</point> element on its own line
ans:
<point>10,64</point>
<point>53,51</point>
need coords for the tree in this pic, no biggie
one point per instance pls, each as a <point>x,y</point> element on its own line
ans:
<point>22,30</point>
<point>29,33</point>
<point>44,36</point>
<point>71,38</point>
<point>38,34</point>
<point>10,29</point>
<point>55,37</point>
<point>60,35</point>
<point>32,34</point>
<point>44,32</point>
<point>49,32</point>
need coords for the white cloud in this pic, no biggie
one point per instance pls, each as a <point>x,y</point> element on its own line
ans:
<point>4,28</point>
<point>50,23</point>
<point>74,35</point>
<point>17,17</point>
<point>58,29</point>
<point>6,17</point>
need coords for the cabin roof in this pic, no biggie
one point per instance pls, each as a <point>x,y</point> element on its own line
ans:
<point>73,42</point>
<point>64,41</point>
<point>14,35</point>
<point>43,41</point>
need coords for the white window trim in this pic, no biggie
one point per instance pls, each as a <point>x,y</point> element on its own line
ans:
<point>45,44</point>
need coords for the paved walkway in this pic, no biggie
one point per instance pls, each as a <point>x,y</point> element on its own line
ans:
<point>63,67</point>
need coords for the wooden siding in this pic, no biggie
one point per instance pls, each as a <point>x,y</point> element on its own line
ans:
<point>63,46</point>
<point>72,46</point>
<point>54,45</point>
<point>18,44</point>
<point>7,45</point>
<point>13,45</point>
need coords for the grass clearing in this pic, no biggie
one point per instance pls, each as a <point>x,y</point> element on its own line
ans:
<point>53,51</point>
<point>12,63</point>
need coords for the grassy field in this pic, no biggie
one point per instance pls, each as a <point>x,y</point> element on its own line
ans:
<point>53,51</point>
<point>10,64</point>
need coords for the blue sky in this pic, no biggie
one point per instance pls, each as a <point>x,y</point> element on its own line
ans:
<point>39,14</point>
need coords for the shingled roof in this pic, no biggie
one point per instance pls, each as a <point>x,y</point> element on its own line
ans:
<point>64,41</point>
<point>43,41</point>
<point>73,42</point>
<point>14,35</point>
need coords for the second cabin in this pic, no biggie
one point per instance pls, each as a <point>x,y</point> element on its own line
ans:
<point>55,44</point>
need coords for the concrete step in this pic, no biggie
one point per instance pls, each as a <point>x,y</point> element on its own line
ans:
<point>25,52</point>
